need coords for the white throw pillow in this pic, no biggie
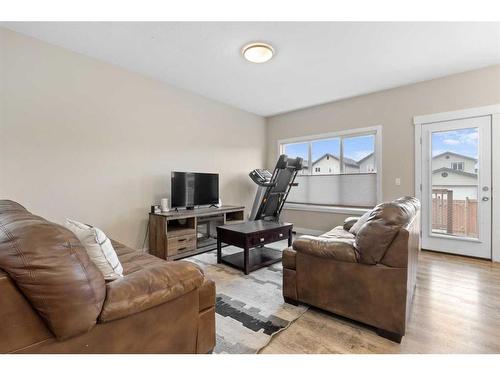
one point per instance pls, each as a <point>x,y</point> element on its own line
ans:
<point>99,248</point>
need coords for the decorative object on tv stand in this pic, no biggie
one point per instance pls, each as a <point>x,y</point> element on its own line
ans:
<point>164,205</point>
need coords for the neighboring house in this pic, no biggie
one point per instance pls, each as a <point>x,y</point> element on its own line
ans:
<point>367,164</point>
<point>305,168</point>
<point>452,171</point>
<point>326,164</point>
<point>351,166</point>
<point>454,161</point>
<point>330,164</point>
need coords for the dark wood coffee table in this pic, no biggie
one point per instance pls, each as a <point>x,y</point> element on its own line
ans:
<point>251,236</point>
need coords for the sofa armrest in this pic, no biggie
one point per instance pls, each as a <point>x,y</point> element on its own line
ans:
<point>21,325</point>
<point>339,249</point>
<point>350,221</point>
<point>207,294</point>
<point>153,285</point>
<point>288,258</point>
<point>205,342</point>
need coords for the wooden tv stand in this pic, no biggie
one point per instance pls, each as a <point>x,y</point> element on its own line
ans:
<point>174,235</point>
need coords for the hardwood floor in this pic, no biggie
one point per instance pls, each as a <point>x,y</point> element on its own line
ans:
<point>456,309</point>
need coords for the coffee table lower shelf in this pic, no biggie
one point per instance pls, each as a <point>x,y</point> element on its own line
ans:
<point>252,237</point>
<point>257,258</point>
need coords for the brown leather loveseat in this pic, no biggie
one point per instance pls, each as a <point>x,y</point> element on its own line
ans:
<point>53,299</point>
<point>365,270</point>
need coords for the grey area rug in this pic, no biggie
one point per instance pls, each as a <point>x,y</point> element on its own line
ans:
<point>249,308</point>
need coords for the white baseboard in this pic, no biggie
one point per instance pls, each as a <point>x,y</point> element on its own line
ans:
<point>312,232</point>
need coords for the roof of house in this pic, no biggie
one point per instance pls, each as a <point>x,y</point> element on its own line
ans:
<point>347,161</point>
<point>456,171</point>
<point>364,158</point>
<point>454,154</point>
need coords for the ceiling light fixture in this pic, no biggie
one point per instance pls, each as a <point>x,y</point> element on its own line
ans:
<point>257,52</point>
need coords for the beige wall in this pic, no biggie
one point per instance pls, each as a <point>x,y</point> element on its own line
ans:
<point>84,139</point>
<point>394,110</point>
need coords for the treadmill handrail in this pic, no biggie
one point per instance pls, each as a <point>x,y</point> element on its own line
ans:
<point>282,195</point>
<point>267,184</point>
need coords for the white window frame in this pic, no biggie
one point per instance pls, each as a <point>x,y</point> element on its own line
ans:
<point>458,164</point>
<point>376,129</point>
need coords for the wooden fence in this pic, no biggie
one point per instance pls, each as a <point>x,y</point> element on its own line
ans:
<point>457,218</point>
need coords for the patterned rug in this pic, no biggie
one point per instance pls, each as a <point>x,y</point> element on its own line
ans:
<point>249,308</point>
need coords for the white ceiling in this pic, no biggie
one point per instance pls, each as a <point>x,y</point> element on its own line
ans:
<point>314,62</point>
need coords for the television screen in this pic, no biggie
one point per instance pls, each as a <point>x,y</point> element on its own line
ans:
<point>194,189</point>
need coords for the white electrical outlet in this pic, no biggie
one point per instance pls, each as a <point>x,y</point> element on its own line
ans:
<point>398,181</point>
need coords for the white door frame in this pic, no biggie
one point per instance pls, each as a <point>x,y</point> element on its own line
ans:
<point>494,112</point>
<point>463,244</point>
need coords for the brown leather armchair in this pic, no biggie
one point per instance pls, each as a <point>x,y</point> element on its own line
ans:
<point>55,300</point>
<point>365,271</point>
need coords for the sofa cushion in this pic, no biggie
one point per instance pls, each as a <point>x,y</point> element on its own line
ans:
<point>122,250</point>
<point>99,248</point>
<point>338,232</point>
<point>288,258</point>
<point>148,281</point>
<point>358,224</point>
<point>373,240</point>
<point>340,249</point>
<point>207,294</point>
<point>52,269</point>
<point>407,209</point>
<point>350,221</point>
<point>382,226</point>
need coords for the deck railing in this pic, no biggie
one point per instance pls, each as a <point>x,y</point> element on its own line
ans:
<point>453,216</point>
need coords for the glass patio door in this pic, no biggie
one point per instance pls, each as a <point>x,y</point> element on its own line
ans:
<point>456,186</point>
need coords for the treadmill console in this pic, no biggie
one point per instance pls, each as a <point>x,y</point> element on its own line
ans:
<point>260,176</point>
<point>273,188</point>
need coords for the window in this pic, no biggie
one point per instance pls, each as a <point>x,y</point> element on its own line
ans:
<point>340,169</point>
<point>294,150</point>
<point>457,166</point>
<point>325,153</point>
<point>359,154</point>
<point>340,155</point>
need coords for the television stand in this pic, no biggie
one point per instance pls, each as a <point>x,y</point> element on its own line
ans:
<point>174,235</point>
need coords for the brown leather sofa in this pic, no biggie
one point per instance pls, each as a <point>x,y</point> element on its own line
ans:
<point>53,299</point>
<point>366,272</point>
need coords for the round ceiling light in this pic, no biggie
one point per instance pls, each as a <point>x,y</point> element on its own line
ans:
<point>257,52</point>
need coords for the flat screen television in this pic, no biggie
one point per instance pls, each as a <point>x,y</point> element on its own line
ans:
<point>190,189</point>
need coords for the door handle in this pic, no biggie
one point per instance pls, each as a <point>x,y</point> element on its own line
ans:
<point>485,199</point>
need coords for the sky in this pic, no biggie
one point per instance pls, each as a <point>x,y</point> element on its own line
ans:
<point>463,141</point>
<point>354,147</point>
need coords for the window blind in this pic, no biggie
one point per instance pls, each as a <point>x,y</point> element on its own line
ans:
<point>332,190</point>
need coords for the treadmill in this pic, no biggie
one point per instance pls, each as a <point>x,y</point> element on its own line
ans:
<point>273,188</point>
